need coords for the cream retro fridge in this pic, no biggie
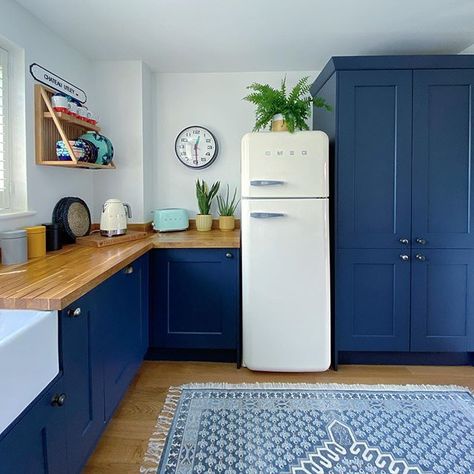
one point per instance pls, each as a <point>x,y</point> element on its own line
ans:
<point>285,251</point>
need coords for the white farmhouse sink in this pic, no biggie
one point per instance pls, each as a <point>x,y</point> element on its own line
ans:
<point>28,358</point>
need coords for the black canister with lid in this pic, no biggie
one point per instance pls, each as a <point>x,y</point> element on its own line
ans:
<point>53,237</point>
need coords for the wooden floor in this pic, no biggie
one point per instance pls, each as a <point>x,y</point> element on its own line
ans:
<point>122,446</point>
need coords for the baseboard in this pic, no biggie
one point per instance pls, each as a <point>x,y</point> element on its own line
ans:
<point>406,358</point>
<point>201,355</point>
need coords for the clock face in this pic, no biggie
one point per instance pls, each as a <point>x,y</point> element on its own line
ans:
<point>196,147</point>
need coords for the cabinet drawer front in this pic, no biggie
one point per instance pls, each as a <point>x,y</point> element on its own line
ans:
<point>194,296</point>
<point>374,158</point>
<point>372,311</point>
<point>442,306</point>
<point>443,171</point>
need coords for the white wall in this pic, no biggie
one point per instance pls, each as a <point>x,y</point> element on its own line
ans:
<point>213,100</point>
<point>148,100</point>
<point>45,185</point>
<point>124,104</point>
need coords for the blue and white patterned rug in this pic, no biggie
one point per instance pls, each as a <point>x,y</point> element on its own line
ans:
<point>314,429</point>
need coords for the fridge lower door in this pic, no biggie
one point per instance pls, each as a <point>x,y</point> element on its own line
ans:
<point>286,284</point>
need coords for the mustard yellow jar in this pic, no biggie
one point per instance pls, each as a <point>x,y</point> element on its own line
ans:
<point>36,241</point>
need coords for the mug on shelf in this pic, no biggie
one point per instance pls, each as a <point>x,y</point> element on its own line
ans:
<point>92,117</point>
<point>82,112</point>
<point>60,103</point>
<point>72,108</point>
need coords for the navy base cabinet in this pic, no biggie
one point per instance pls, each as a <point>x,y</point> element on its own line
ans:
<point>81,341</point>
<point>401,136</point>
<point>125,329</point>
<point>103,339</point>
<point>36,443</point>
<point>195,306</point>
<point>442,294</point>
<point>373,294</point>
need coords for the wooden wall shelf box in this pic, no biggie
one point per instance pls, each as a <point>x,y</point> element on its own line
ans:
<point>51,126</point>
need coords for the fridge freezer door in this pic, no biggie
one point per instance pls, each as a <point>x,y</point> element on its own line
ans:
<point>282,164</point>
<point>285,284</point>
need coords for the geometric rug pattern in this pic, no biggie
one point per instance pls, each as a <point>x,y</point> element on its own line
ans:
<point>314,429</point>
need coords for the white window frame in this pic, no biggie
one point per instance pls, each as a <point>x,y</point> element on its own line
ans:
<point>15,135</point>
<point>5,191</point>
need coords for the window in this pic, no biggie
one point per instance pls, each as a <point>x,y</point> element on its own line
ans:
<point>4,132</point>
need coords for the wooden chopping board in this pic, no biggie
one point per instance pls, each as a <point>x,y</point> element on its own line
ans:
<point>97,240</point>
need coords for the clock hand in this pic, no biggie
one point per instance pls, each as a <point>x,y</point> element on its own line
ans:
<point>196,149</point>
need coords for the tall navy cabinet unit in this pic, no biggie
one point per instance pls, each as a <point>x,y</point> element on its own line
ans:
<point>403,225</point>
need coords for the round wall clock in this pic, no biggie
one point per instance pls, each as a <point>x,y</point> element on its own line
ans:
<point>196,147</point>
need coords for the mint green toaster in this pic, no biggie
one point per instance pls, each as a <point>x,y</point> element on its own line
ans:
<point>169,220</point>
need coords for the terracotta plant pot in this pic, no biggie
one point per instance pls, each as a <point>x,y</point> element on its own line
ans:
<point>204,222</point>
<point>226,223</point>
<point>279,124</point>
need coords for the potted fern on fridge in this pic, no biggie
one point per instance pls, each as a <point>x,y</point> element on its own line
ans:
<point>205,197</point>
<point>227,209</point>
<point>284,111</point>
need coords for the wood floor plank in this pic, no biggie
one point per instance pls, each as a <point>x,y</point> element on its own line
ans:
<point>122,447</point>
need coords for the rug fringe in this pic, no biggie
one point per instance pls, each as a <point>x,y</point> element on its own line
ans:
<point>158,438</point>
<point>328,386</point>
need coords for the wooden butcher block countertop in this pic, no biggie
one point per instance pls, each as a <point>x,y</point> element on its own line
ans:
<point>60,278</point>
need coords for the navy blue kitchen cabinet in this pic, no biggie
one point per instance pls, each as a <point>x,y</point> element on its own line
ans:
<point>104,336</point>
<point>442,300</point>
<point>103,339</point>
<point>81,345</point>
<point>374,159</point>
<point>36,442</point>
<point>125,335</point>
<point>373,291</point>
<point>401,141</point>
<point>195,297</point>
<point>443,168</point>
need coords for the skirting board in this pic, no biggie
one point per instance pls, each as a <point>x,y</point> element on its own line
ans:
<point>406,358</point>
<point>202,355</point>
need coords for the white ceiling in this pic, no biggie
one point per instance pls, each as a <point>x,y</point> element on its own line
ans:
<point>255,35</point>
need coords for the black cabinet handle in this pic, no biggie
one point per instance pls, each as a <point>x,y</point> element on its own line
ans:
<point>74,313</point>
<point>128,270</point>
<point>58,400</point>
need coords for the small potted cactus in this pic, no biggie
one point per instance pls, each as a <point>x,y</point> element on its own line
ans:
<point>205,197</point>
<point>227,209</point>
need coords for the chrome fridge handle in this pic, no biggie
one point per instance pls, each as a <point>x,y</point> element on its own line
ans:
<point>265,182</point>
<point>266,215</point>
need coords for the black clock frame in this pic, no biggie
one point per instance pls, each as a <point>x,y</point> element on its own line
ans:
<point>212,159</point>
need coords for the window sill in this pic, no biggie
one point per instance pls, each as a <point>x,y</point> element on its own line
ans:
<point>11,214</point>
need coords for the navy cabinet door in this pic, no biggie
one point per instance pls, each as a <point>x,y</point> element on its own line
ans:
<point>124,313</point>
<point>195,294</point>
<point>81,359</point>
<point>372,300</point>
<point>374,159</point>
<point>36,443</point>
<point>443,168</point>
<point>442,300</point>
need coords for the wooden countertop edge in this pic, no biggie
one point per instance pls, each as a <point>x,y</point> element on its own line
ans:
<point>97,275</point>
